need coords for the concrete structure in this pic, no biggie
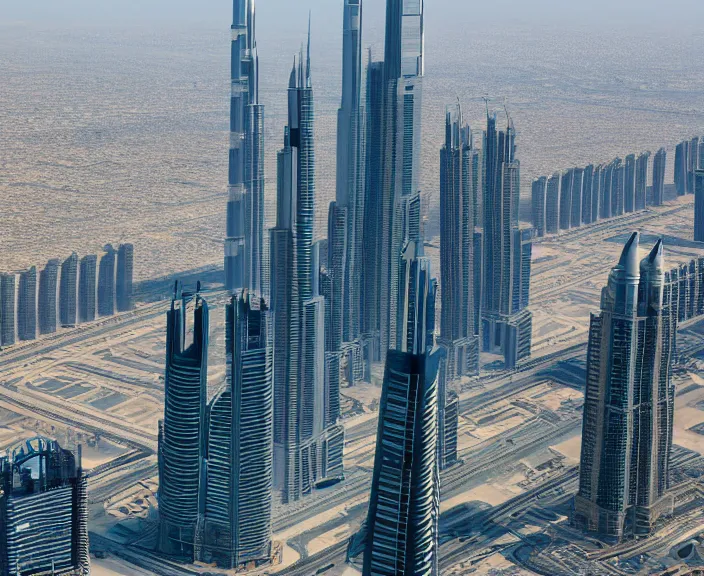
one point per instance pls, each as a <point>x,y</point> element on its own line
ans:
<point>182,433</point>
<point>506,321</point>
<point>629,401</point>
<point>459,263</point>
<point>238,477</point>
<point>48,289</point>
<point>43,511</point>
<point>68,291</point>
<point>245,205</point>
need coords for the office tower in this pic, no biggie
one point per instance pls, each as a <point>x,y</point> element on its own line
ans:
<point>566,199</point>
<point>337,269</point>
<point>44,511</point>
<point>577,187</point>
<point>552,205</point>
<point>699,206</point>
<point>587,186</point>
<point>618,188</point>
<point>87,288</point>
<point>597,191</point>
<point>404,62</point>
<point>642,165</point>
<point>238,485</point>
<point>307,448</point>
<point>27,305</point>
<point>682,155</point>
<point>48,286</point>
<point>605,204</point>
<point>458,260</point>
<point>538,195</point>
<point>8,317</point>
<point>629,401</point>
<point>182,433</point>
<point>692,163</point>
<point>402,522</point>
<point>123,283</point>
<point>106,282</point>
<point>629,184</point>
<point>373,205</point>
<point>659,167</point>
<point>448,420</point>
<point>68,291</point>
<point>506,321</point>
<point>349,204</point>
<point>245,204</point>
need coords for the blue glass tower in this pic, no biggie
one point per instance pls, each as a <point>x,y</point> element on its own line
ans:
<point>629,401</point>
<point>307,446</point>
<point>401,532</point>
<point>238,486</point>
<point>182,433</point>
<point>245,205</point>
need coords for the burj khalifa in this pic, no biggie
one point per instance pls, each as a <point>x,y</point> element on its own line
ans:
<point>245,204</point>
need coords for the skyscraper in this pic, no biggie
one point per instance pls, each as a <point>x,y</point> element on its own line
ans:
<point>566,199</point>
<point>48,285</point>
<point>448,420</point>
<point>27,305</point>
<point>659,167</point>
<point>8,301</point>
<point>373,206</point>
<point>629,184</point>
<point>577,190</point>
<point>349,204</point>
<point>182,433</point>
<point>68,291</point>
<point>629,401</point>
<point>307,448</point>
<point>552,205</point>
<point>404,66</point>
<point>682,154</point>
<point>44,511</point>
<point>87,288</point>
<point>123,283</point>
<point>238,485</point>
<point>245,205</point>
<point>402,522</point>
<point>597,191</point>
<point>587,200</point>
<point>106,282</point>
<point>458,260</point>
<point>506,321</point>
<point>699,206</point>
<point>538,193</point>
<point>642,165</point>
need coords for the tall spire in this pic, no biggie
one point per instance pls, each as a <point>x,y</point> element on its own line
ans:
<point>308,85</point>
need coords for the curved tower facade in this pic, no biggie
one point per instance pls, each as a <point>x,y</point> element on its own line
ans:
<point>629,401</point>
<point>237,520</point>
<point>182,432</point>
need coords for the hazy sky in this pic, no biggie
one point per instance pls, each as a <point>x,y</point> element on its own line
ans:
<point>650,13</point>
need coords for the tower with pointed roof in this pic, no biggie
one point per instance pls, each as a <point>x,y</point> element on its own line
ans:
<point>629,401</point>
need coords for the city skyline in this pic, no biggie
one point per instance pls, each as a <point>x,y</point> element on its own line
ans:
<point>381,395</point>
